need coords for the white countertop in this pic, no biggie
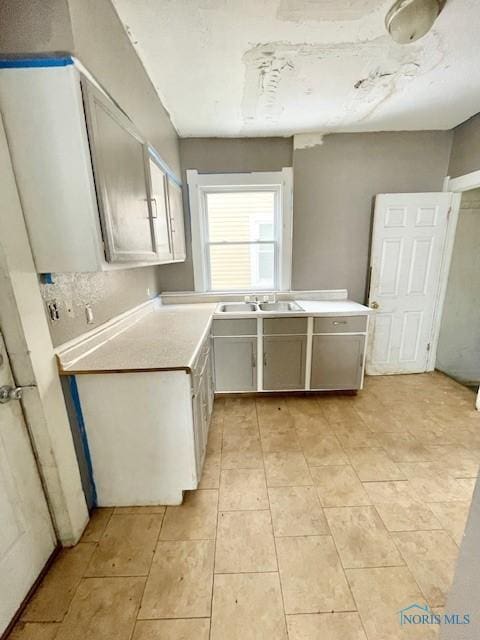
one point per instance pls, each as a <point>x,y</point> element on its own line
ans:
<point>308,307</point>
<point>169,337</point>
<point>333,307</point>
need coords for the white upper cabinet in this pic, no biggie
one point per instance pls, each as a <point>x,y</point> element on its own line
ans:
<point>93,198</point>
<point>175,206</point>
<point>159,205</point>
<point>119,162</point>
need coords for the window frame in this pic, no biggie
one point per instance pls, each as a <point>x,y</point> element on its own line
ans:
<point>281,182</point>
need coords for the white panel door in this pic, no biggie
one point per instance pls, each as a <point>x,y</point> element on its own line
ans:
<point>409,232</point>
<point>27,538</point>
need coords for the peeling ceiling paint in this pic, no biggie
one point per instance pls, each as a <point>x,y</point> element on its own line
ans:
<point>282,67</point>
<point>303,10</point>
<point>307,140</point>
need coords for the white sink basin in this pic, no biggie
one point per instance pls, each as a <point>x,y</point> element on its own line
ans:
<point>281,306</point>
<point>238,307</point>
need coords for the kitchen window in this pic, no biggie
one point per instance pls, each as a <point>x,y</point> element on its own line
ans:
<point>241,230</point>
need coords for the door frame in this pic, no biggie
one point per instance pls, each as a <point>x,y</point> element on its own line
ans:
<point>33,362</point>
<point>457,186</point>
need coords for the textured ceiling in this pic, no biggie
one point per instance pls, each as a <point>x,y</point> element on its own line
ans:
<point>280,67</point>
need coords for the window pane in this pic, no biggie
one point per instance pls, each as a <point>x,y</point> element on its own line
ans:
<point>245,266</point>
<point>241,216</point>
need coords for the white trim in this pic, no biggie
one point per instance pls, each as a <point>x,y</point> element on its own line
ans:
<point>443,278</point>
<point>259,354</point>
<point>28,341</point>
<point>286,241</point>
<point>463,183</point>
<point>196,229</point>
<point>308,359</point>
<point>282,180</point>
<point>456,186</point>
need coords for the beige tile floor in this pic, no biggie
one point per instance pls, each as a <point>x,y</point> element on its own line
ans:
<point>317,518</point>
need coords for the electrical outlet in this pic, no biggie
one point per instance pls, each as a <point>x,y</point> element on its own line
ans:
<point>53,310</point>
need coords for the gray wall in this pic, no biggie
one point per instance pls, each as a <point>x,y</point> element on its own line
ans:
<point>334,188</point>
<point>221,155</point>
<point>92,31</point>
<point>458,352</point>
<point>103,46</point>
<point>465,156</point>
<point>234,155</point>
<point>108,293</point>
<point>35,26</point>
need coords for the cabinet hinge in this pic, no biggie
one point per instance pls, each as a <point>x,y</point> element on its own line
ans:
<point>428,346</point>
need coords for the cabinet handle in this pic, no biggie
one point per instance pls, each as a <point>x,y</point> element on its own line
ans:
<point>254,360</point>
<point>264,359</point>
<point>337,322</point>
<point>154,217</point>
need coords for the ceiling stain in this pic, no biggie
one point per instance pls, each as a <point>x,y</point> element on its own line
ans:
<point>326,10</point>
<point>277,69</point>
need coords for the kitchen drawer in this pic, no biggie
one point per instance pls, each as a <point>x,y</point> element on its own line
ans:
<point>285,326</point>
<point>235,327</point>
<point>340,324</point>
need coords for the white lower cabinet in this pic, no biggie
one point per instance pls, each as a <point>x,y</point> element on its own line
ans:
<point>337,361</point>
<point>296,353</point>
<point>147,432</point>
<point>284,363</point>
<point>202,404</point>
<point>235,363</point>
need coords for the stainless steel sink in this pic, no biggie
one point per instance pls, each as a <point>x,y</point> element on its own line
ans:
<point>238,307</point>
<point>280,306</point>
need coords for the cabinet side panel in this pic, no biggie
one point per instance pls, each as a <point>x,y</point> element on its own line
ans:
<point>140,435</point>
<point>45,124</point>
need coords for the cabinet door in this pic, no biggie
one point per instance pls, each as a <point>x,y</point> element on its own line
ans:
<point>337,362</point>
<point>175,205</point>
<point>284,362</point>
<point>210,384</point>
<point>161,220</point>
<point>235,364</point>
<point>198,432</point>
<point>120,171</point>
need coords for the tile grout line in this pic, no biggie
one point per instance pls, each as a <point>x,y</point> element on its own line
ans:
<point>274,539</point>
<point>83,577</point>
<point>148,575</point>
<point>216,529</point>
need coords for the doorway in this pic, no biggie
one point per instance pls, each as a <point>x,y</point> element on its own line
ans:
<point>458,353</point>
